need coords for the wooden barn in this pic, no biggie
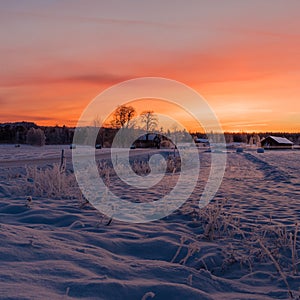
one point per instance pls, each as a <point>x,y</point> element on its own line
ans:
<point>275,142</point>
<point>149,140</point>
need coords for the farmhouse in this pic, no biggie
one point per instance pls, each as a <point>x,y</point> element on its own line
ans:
<point>274,142</point>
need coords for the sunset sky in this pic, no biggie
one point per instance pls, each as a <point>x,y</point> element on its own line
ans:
<point>243,57</point>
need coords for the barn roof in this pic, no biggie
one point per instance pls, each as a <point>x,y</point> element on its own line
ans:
<point>151,137</point>
<point>280,140</point>
<point>200,140</point>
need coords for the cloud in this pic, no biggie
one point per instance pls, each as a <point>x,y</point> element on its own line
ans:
<point>255,125</point>
<point>24,117</point>
<point>97,78</point>
<point>104,78</point>
<point>87,19</point>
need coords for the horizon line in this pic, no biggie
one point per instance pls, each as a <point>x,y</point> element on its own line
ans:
<point>190,131</point>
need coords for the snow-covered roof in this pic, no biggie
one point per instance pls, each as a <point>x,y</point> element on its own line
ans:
<point>281,140</point>
<point>199,140</point>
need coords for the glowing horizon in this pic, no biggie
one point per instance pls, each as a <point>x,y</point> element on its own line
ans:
<point>242,57</point>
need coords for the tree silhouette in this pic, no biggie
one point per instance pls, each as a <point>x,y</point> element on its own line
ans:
<point>123,116</point>
<point>149,120</point>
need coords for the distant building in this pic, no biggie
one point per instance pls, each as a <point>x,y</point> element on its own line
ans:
<point>149,140</point>
<point>201,141</point>
<point>275,142</point>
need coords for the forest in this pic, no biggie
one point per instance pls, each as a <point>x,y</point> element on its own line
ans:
<point>22,133</point>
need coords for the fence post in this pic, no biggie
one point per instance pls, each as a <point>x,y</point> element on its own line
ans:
<point>62,160</point>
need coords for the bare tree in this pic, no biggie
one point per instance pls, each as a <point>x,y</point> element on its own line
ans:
<point>97,121</point>
<point>123,116</point>
<point>149,120</point>
<point>123,120</point>
<point>98,130</point>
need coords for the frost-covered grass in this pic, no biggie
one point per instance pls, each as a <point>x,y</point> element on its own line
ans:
<point>251,246</point>
<point>55,181</point>
<point>51,182</point>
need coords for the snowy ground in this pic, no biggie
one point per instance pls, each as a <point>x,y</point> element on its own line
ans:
<point>244,245</point>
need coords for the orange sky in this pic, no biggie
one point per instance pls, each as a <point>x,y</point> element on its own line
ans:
<point>243,57</point>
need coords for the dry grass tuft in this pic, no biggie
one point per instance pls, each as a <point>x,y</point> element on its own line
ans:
<point>51,182</point>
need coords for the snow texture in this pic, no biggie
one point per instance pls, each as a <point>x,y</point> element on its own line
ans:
<point>62,248</point>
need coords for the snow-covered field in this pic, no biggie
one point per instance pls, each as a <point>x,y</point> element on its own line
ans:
<point>243,245</point>
<point>10,152</point>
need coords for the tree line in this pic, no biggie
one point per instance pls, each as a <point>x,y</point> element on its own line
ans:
<point>31,133</point>
<point>124,117</point>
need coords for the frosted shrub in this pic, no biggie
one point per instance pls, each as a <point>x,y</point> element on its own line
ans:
<point>51,182</point>
<point>249,244</point>
<point>35,137</point>
<point>173,164</point>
